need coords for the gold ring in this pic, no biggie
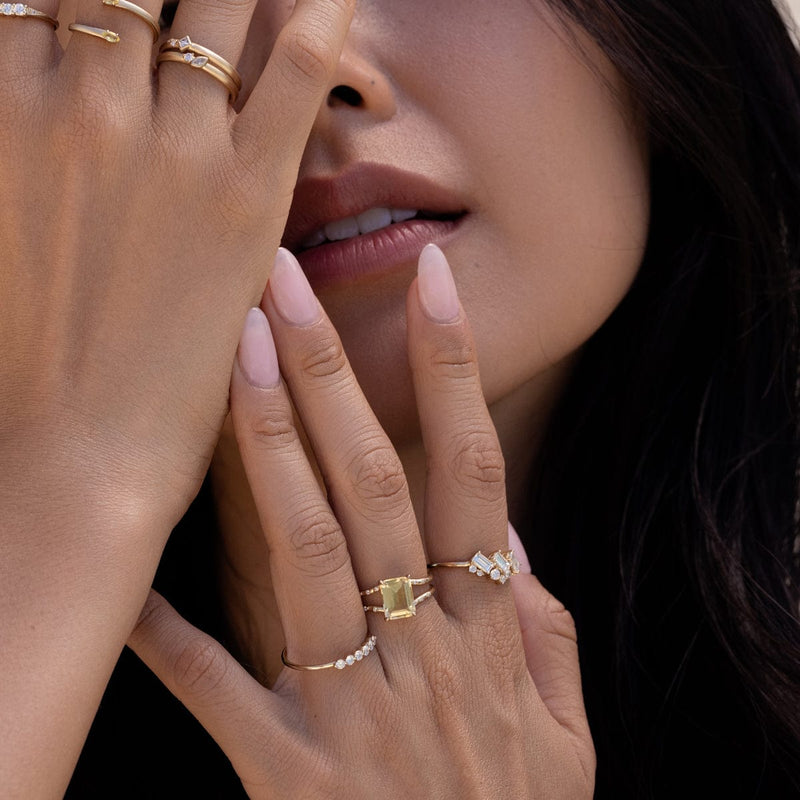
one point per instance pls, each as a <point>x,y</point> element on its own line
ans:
<point>500,567</point>
<point>187,46</point>
<point>100,33</point>
<point>139,11</point>
<point>202,63</point>
<point>398,596</point>
<point>341,663</point>
<point>21,10</point>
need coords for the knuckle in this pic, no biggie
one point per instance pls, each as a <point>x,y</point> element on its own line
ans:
<point>309,57</point>
<point>318,544</point>
<point>272,430</point>
<point>453,359</point>
<point>378,480</point>
<point>478,464</point>
<point>558,620</point>
<point>323,358</point>
<point>200,668</point>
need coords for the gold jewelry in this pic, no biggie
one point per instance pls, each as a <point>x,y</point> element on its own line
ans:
<point>139,11</point>
<point>100,33</point>
<point>398,596</point>
<point>201,63</point>
<point>186,45</point>
<point>341,663</point>
<point>500,567</point>
<point>21,10</point>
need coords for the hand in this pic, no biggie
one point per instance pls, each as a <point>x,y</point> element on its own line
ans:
<point>470,697</point>
<point>140,215</point>
<point>138,210</point>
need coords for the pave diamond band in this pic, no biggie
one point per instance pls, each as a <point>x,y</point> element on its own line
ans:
<point>499,567</point>
<point>21,10</point>
<point>398,596</point>
<point>341,663</point>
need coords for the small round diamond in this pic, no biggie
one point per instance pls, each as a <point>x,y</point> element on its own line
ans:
<point>350,660</point>
<point>495,574</point>
<point>340,664</point>
<point>358,655</point>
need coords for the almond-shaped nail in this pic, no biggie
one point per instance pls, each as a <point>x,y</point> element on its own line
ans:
<point>257,356</point>
<point>293,296</point>
<point>437,289</point>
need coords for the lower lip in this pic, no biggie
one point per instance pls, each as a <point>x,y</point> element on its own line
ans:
<point>374,253</point>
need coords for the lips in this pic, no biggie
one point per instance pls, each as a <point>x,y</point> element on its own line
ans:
<point>367,220</point>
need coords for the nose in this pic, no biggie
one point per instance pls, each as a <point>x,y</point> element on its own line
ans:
<point>358,87</point>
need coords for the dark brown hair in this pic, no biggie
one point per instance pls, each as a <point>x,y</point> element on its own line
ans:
<point>665,504</point>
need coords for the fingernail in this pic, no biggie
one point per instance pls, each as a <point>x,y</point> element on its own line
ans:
<point>291,292</point>
<point>257,356</point>
<point>437,289</point>
<point>515,544</point>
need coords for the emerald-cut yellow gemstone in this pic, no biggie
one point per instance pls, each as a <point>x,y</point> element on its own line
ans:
<point>398,598</point>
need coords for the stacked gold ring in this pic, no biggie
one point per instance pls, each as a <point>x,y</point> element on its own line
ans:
<point>185,51</point>
<point>21,10</point>
<point>139,12</point>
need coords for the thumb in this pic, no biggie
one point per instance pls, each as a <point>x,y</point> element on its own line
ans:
<point>551,647</point>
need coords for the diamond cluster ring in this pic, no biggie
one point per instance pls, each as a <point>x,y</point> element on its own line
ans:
<point>499,567</point>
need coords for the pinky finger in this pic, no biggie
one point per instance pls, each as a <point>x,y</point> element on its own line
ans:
<point>213,686</point>
<point>551,652</point>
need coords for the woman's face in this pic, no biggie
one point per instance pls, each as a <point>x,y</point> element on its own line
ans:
<point>486,117</point>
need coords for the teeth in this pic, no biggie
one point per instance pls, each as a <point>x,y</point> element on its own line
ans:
<point>402,214</point>
<point>342,229</point>
<point>372,220</point>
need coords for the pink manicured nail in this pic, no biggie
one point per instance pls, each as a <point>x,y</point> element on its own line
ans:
<point>257,356</point>
<point>291,292</point>
<point>437,289</point>
<point>515,544</point>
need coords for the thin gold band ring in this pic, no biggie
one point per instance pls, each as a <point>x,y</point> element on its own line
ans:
<point>100,33</point>
<point>21,10</point>
<point>139,11</point>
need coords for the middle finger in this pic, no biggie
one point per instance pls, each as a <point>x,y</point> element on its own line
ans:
<point>364,476</point>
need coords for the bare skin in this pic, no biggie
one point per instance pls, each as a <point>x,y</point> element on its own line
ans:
<point>143,217</point>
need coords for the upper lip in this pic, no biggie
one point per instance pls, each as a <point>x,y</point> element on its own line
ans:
<point>319,200</point>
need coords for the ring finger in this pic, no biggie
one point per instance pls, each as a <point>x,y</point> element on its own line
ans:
<point>112,46</point>
<point>317,596</point>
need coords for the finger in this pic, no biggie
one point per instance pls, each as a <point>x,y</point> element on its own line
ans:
<point>119,67</point>
<point>363,474</point>
<point>295,82</point>
<point>218,27</point>
<point>515,544</point>
<point>235,710</point>
<point>28,43</point>
<point>316,591</point>
<point>465,505</point>
<point>551,653</point>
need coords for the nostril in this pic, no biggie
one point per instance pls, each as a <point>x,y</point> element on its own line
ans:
<point>345,94</point>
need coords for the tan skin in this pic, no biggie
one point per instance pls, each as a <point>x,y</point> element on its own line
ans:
<point>123,317</point>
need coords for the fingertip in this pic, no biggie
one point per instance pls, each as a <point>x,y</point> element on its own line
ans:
<point>515,544</point>
<point>436,287</point>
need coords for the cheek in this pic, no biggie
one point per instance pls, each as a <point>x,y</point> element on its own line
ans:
<point>563,225</point>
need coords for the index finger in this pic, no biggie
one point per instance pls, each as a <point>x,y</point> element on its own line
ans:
<point>295,81</point>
